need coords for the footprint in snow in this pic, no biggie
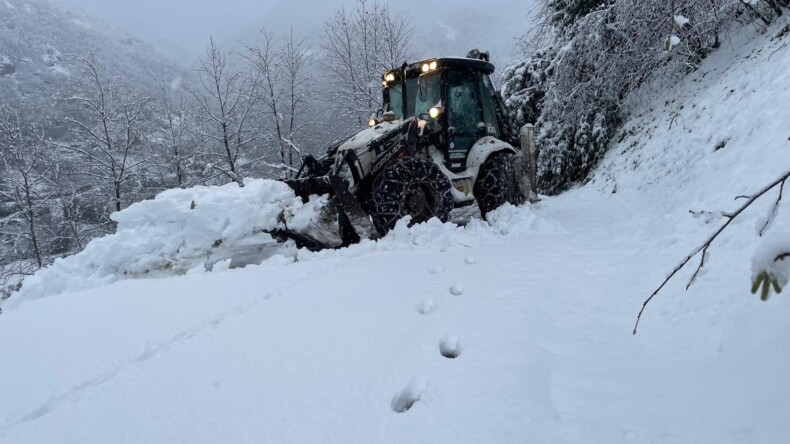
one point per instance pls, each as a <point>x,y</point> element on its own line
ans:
<point>450,347</point>
<point>436,270</point>
<point>426,307</point>
<point>470,260</point>
<point>406,398</point>
<point>457,289</point>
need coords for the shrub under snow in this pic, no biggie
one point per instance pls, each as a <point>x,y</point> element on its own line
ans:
<point>587,56</point>
<point>772,261</point>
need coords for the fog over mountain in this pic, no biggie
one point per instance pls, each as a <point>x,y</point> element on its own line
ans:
<point>181,28</point>
<point>38,42</point>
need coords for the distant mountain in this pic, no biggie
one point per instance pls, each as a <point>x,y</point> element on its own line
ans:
<point>38,40</point>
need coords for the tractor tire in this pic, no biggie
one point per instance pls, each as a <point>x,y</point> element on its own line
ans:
<point>410,187</point>
<point>497,183</point>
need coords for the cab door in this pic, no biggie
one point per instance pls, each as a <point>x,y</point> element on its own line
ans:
<point>465,123</point>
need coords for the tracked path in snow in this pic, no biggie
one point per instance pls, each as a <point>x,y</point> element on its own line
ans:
<point>485,336</point>
<point>150,351</point>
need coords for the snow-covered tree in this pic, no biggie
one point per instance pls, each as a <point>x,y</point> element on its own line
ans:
<point>359,45</point>
<point>586,57</point>
<point>227,100</point>
<point>26,196</point>
<point>286,96</point>
<point>109,130</point>
<point>176,151</point>
<point>299,95</point>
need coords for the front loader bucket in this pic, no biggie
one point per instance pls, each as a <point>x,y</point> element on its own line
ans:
<point>353,222</point>
<point>310,186</point>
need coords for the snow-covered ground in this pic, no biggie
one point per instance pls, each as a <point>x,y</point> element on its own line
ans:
<point>517,331</point>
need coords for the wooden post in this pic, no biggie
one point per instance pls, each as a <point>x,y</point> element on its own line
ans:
<point>530,157</point>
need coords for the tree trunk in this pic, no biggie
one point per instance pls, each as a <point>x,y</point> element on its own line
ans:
<point>31,220</point>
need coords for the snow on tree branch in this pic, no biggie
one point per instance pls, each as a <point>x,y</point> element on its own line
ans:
<point>770,267</point>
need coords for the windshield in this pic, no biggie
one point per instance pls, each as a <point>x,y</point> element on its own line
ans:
<point>422,94</point>
<point>428,92</point>
<point>395,95</point>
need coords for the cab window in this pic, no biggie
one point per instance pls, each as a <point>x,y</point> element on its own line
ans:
<point>395,96</point>
<point>428,92</point>
<point>489,114</point>
<point>464,107</point>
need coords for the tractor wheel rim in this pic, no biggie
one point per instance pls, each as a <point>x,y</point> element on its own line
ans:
<point>420,203</point>
<point>415,202</point>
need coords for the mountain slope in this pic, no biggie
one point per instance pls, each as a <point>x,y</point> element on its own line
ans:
<point>513,331</point>
<point>37,40</point>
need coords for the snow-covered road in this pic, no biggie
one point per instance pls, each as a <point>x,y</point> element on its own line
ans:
<point>514,331</point>
<point>350,349</point>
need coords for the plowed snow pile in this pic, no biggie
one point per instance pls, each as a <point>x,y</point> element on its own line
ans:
<point>512,330</point>
<point>206,228</point>
<point>181,230</point>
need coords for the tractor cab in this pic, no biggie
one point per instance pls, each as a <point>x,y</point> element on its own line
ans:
<point>457,99</point>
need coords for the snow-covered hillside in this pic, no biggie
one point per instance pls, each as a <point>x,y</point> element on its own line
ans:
<point>518,330</point>
<point>38,41</point>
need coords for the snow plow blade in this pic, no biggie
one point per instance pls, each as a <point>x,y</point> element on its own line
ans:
<point>353,223</point>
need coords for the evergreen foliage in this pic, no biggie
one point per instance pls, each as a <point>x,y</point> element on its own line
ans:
<point>585,58</point>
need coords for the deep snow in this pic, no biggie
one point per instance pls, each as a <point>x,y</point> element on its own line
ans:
<point>517,331</point>
<point>180,231</point>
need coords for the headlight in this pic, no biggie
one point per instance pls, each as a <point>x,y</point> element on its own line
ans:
<point>434,112</point>
<point>429,66</point>
<point>372,123</point>
<point>390,77</point>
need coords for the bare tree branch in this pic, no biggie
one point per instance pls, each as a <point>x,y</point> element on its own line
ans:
<point>703,248</point>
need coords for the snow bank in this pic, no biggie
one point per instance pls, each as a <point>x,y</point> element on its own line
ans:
<point>190,231</point>
<point>178,231</point>
<point>437,236</point>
